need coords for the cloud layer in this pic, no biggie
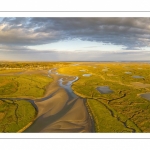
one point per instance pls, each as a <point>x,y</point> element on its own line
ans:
<point>132,33</point>
<point>17,34</point>
<point>53,55</point>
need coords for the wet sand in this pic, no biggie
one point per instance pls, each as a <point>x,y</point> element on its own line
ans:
<point>60,110</point>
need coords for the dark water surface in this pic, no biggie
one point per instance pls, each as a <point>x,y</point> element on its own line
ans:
<point>138,77</point>
<point>104,89</point>
<point>146,96</point>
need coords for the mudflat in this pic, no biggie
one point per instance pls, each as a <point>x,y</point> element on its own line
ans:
<point>59,111</point>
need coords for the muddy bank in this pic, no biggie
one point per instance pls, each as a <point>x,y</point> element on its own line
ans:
<point>60,110</point>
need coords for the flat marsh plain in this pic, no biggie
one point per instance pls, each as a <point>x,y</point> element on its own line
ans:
<point>120,111</point>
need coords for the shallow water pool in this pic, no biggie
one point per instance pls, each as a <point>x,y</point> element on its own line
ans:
<point>128,72</point>
<point>138,77</point>
<point>86,75</point>
<point>104,89</point>
<point>82,70</point>
<point>146,96</point>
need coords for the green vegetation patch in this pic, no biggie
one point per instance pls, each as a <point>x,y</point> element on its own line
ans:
<point>14,115</point>
<point>7,86</point>
<point>104,120</point>
<point>23,85</point>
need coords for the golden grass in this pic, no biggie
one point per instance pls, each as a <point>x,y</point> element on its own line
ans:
<point>131,113</point>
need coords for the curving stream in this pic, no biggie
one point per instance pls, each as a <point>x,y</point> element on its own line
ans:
<point>61,110</point>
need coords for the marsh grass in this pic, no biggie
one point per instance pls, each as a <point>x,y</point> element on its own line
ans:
<point>16,114</point>
<point>23,85</point>
<point>121,111</point>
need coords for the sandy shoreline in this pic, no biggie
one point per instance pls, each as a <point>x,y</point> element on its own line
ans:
<point>59,111</point>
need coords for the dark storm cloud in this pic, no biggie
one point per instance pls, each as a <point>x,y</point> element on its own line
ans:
<point>131,33</point>
<point>23,49</point>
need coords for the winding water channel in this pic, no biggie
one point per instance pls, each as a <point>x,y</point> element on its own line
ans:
<point>61,110</point>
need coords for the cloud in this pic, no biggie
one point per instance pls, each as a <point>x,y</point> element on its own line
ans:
<point>131,33</point>
<point>22,50</point>
<point>25,37</point>
<point>86,55</point>
<point>91,47</point>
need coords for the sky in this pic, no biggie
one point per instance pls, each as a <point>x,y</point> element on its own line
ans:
<point>75,39</point>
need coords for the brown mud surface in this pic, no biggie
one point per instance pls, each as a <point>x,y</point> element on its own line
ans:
<point>60,110</point>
